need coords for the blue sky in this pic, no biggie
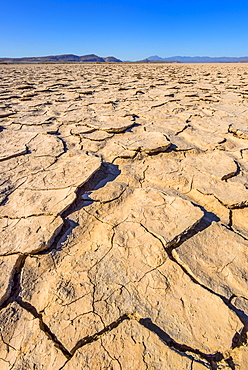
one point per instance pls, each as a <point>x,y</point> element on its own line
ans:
<point>129,30</point>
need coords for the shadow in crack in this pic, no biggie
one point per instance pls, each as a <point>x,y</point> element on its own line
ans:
<point>61,237</point>
<point>212,359</point>
<point>208,216</point>
<point>240,337</point>
<point>243,315</point>
<point>130,129</point>
<point>201,225</point>
<point>106,173</point>
<point>230,363</point>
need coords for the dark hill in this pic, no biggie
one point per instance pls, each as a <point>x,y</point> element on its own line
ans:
<point>67,58</point>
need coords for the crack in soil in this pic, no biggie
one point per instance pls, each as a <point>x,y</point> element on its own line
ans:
<point>14,282</point>
<point>92,338</point>
<point>44,327</point>
<point>212,359</point>
<point>240,338</point>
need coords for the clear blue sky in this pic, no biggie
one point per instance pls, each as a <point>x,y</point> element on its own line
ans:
<point>129,30</point>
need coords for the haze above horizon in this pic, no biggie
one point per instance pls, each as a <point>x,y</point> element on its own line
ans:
<point>127,30</point>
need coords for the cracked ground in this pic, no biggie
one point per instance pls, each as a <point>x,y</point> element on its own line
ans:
<point>124,217</point>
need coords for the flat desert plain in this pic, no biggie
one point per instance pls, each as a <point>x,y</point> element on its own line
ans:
<point>124,216</point>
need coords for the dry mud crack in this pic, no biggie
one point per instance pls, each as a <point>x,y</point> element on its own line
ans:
<point>124,217</point>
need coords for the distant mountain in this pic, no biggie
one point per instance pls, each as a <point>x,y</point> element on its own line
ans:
<point>67,58</point>
<point>112,60</point>
<point>156,58</point>
<point>92,58</point>
<point>155,61</point>
<point>143,61</point>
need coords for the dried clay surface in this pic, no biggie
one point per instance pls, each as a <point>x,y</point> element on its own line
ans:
<point>124,217</point>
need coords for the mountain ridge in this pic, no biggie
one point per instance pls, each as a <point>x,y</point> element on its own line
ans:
<point>64,58</point>
<point>93,58</point>
<point>198,59</point>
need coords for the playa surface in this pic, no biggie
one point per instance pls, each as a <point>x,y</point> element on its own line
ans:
<point>124,216</point>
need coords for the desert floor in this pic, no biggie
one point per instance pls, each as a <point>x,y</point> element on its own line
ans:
<point>124,216</point>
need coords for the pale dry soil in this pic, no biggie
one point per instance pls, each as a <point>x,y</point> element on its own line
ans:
<point>124,217</point>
